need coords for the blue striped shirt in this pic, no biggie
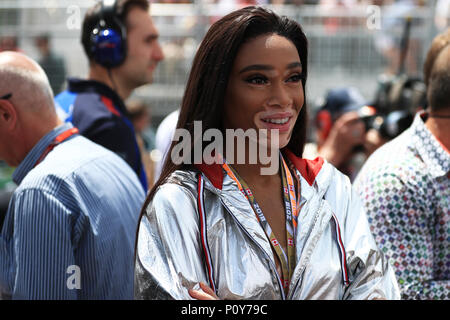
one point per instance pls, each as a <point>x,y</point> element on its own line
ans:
<point>70,227</point>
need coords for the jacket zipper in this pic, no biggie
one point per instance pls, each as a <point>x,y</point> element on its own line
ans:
<point>271,263</point>
<point>300,272</point>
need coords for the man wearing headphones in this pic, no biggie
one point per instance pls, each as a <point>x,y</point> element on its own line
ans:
<point>121,42</point>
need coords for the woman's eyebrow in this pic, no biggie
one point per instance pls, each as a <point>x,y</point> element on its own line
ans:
<point>255,67</point>
<point>294,65</point>
<point>258,67</point>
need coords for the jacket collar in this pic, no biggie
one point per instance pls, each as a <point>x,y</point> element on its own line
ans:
<point>77,85</point>
<point>434,155</point>
<point>309,169</point>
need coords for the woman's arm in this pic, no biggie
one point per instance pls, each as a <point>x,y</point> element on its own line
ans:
<point>169,259</point>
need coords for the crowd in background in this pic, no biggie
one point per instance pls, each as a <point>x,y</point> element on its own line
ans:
<point>388,45</point>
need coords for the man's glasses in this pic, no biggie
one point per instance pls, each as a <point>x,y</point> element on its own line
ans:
<point>6,96</point>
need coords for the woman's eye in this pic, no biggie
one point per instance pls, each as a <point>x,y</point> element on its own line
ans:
<point>296,77</point>
<point>256,80</point>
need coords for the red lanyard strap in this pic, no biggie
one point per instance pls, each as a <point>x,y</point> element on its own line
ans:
<point>287,261</point>
<point>60,138</point>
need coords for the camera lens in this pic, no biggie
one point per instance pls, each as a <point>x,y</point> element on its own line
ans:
<point>395,123</point>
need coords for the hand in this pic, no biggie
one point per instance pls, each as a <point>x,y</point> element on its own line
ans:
<point>206,294</point>
<point>347,132</point>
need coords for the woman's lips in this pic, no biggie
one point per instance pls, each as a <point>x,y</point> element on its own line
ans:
<point>281,121</point>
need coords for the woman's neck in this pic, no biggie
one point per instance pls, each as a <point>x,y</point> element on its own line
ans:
<point>251,173</point>
<point>254,166</point>
<point>253,163</point>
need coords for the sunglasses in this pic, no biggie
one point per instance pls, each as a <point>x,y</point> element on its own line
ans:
<point>6,96</point>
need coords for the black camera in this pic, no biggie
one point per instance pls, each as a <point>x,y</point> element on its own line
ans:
<point>397,99</point>
<point>390,125</point>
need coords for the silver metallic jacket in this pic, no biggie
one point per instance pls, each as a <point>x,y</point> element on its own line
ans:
<point>171,258</point>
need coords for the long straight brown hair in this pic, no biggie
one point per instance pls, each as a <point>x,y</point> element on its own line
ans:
<point>204,96</point>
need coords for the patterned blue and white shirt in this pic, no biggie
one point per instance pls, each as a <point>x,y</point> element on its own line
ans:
<point>70,228</point>
<point>405,188</point>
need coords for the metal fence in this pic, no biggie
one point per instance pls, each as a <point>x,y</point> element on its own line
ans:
<point>346,46</point>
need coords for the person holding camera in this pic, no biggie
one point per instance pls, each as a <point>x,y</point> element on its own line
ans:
<point>405,188</point>
<point>121,42</point>
<point>343,135</point>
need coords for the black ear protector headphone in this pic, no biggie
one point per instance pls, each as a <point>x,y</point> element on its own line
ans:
<point>108,41</point>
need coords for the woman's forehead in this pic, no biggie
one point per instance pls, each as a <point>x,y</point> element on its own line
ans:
<point>267,49</point>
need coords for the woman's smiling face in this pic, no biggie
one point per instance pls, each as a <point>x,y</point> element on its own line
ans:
<point>265,89</point>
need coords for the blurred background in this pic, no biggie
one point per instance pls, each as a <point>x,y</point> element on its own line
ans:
<point>364,44</point>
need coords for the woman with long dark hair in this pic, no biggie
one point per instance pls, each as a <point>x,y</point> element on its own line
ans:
<point>238,228</point>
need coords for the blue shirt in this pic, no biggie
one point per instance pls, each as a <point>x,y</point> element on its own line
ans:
<point>101,116</point>
<point>70,228</point>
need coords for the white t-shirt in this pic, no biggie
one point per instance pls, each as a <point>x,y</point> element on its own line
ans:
<point>164,136</point>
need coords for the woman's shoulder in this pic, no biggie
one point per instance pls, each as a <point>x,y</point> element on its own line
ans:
<point>183,177</point>
<point>321,176</point>
<point>330,185</point>
<point>178,181</point>
<point>174,198</point>
<point>316,173</point>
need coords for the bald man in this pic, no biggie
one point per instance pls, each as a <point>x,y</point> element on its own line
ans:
<point>70,227</point>
<point>405,187</point>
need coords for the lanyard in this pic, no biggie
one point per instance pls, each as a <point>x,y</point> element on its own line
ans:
<point>60,138</point>
<point>290,201</point>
